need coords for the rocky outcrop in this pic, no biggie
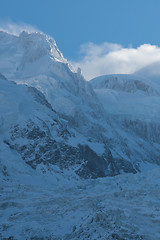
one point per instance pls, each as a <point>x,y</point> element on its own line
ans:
<point>37,147</point>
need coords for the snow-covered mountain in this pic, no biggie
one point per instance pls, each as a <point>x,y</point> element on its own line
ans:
<point>110,129</point>
<point>51,117</point>
<point>58,133</point>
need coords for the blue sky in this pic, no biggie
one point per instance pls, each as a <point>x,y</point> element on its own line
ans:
<point>74,23</point>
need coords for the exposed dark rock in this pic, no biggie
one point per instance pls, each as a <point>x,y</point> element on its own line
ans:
<point>39,147</point>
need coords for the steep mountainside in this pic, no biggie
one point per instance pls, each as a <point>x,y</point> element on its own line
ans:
<point>30,127</point>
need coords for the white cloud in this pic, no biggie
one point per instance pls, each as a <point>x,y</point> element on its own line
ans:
<point>16,29</point>
<point>109,58</point>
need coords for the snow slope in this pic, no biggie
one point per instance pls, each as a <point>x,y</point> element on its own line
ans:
<point>124,207</point>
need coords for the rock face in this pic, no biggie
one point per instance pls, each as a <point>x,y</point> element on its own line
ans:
<point>42,149</point>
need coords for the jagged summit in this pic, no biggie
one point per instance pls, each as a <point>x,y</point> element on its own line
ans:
<point>28,53</point>
<point>38,44</point>
<point>35,60</point>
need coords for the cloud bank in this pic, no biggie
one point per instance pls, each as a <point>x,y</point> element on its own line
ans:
<point>109,58</point>
<point>16,29</point>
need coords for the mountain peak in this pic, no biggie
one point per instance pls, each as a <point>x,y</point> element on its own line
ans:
<point>41,44</point>
<point>26,52</point>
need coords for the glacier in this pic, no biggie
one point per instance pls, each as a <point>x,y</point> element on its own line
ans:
<point>78,159</point>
